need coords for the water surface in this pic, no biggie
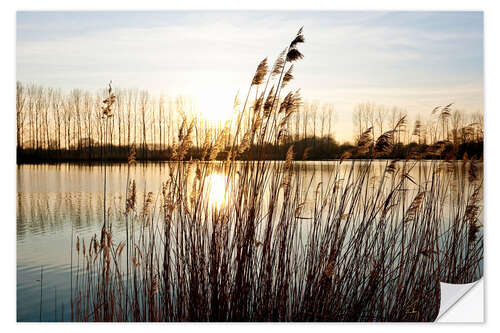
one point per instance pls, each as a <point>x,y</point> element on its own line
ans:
<point>56,202</point>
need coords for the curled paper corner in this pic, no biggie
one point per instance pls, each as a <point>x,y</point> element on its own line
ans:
<point>451,295</point>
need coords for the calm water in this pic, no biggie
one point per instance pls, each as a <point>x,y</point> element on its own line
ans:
<point>55,202</point>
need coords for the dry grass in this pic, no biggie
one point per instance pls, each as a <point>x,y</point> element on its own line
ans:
<point>356,247</point>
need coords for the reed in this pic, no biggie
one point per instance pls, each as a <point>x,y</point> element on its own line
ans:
<point>357,246</point>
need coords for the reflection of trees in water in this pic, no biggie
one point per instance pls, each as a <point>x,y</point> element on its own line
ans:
<point>40,213</point>
<point>52,210</point>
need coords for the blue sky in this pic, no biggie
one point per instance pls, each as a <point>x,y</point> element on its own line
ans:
<point>414,60</point>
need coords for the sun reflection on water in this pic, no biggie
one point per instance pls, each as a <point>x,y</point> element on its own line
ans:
<point>216,190</point>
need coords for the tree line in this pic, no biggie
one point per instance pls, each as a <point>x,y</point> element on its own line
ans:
<point>53,126</point>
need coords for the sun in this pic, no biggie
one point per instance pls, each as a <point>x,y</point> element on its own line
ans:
<point>215,105</point>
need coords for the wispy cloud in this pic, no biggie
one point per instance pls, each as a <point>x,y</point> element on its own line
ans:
<point>414,60</point>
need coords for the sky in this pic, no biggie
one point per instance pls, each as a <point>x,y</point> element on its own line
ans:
<point>413,60</point>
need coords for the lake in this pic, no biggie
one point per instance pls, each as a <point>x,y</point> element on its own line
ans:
<point>55,202</point>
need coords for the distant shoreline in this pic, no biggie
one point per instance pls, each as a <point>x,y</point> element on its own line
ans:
<point>303,151</point>
<point>96,162</point>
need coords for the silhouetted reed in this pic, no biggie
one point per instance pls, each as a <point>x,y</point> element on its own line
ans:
<point>273,246</point>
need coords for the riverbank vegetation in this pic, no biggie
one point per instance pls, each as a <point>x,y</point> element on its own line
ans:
<point>55,127</point>
<point>270,246</point>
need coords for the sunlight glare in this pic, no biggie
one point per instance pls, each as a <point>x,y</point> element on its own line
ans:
<point>216,190</point>
<point>215,105</point>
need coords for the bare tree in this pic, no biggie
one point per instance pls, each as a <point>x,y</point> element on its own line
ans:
<point>21,115</point>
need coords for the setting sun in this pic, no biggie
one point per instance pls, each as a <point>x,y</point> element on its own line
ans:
<point>215,104</point>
